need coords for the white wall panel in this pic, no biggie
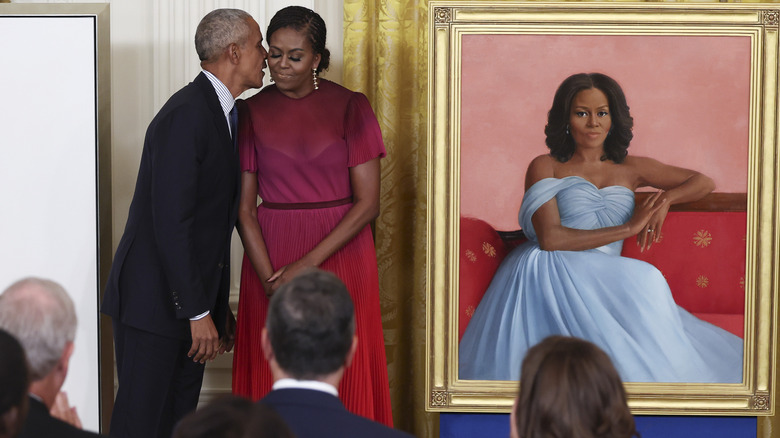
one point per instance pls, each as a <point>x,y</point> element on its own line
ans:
<point>49,174</point>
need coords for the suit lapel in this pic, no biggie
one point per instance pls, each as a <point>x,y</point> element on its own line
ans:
<point>227,141</point>
<point>216,109</point>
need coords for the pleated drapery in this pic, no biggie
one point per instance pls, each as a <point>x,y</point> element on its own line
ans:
<point>386,57</point>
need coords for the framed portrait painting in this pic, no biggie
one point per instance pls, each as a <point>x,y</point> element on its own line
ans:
<point>701,82</point>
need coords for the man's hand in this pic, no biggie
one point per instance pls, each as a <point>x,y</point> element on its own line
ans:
<point>205,341</point>
<point>61,409</point>
<point>229,338</point>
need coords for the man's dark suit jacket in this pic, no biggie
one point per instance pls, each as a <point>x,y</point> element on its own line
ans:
<point>40,424</point>
<point>173,260</point>
<point>315,414</point>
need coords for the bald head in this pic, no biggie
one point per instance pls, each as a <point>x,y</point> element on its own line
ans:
<point>41,315</point>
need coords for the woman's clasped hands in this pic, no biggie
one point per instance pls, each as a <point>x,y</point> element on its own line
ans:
<point>648,219</point>
<point>283,275</point>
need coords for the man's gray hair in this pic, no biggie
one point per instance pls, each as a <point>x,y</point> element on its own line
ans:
<point>40,314</point>
<point>218,29</point>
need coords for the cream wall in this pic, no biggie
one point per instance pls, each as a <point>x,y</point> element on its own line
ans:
<point>152,56</point>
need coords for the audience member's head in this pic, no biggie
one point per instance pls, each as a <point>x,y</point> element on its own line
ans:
<point>569,388</point>
<point>14,379</point>
<point>310,329</point>
<point>40,314</point>
<point>233,417</point>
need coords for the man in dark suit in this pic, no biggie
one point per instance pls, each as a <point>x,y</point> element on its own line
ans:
<point>41,315</point>
<point>168,288</point>
<point>309,340</point>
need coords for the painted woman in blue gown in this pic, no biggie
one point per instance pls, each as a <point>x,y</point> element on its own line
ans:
<point>570,279</point>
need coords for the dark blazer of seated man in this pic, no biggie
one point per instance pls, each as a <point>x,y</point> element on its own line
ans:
<point>14,380</point>
<point>41,315</point>
<point>309,339</point>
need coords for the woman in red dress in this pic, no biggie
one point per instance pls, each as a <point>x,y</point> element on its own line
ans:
<point>310,150</point>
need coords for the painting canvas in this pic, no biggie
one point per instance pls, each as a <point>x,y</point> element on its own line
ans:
<point>695,80</point>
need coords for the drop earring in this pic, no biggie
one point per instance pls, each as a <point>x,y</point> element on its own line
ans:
<point>314,78</point>
<point>567,129</point>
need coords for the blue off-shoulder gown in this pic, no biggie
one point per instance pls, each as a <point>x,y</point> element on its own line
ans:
<point>621,304</point>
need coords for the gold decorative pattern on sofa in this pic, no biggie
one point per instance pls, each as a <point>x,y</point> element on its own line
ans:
<point>702,238</point>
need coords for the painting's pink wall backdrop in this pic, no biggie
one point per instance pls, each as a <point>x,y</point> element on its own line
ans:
<point>689,97</point>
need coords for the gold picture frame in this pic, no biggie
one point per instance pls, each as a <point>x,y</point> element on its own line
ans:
<point>757,25</point>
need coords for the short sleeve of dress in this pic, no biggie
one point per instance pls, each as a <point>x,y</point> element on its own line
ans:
<point>246,138</point>
<point>536,196</point>
<point>361,132</point>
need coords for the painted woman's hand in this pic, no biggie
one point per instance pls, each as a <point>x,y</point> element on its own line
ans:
<point>651,233</point>
<point>644,212</point>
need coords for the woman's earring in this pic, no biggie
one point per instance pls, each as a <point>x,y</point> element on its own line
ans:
<point>567,129</point>
<point>314,78</point>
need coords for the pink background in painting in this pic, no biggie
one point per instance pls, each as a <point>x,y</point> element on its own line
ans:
<point>689,97</point>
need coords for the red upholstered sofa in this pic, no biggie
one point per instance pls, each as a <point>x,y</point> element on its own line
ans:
<point>701,255</point>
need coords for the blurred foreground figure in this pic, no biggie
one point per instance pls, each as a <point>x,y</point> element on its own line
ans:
<point>569,388</point>
<point>309,340</point>
<point>40,314</point>
<point>233,417</point>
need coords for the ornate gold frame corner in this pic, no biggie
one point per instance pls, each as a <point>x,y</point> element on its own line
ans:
<point>449,21</point>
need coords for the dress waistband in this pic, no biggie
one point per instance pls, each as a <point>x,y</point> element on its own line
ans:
<point>305,205</point>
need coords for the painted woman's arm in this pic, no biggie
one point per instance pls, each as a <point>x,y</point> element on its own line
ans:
<point>677,185</point>
<point>553,236</point>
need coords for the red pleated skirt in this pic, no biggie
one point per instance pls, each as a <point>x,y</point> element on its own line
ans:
<point>289,234</point>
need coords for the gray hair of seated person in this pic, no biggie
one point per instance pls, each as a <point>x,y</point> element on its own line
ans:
<point>233,417</point>
<point>14,380</point>
<point>311,323</point>
<point>220,28</point>
<point>41,315</point>
<point>570,388</point>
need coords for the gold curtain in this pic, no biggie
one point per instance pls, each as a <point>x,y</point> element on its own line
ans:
<point>386,57</point>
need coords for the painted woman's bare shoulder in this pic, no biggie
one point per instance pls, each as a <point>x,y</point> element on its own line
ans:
<point>541,167</point>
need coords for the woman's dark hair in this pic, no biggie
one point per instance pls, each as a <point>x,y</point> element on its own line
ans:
<point>307,21</point>
<point>561,143</point>
<point>569,388</point>
<point>231,416</point>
